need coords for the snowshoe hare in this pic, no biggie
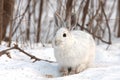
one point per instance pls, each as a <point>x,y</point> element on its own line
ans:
<point>74,50</point>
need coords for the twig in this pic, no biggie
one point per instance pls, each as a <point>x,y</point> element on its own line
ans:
<point>31,56</point>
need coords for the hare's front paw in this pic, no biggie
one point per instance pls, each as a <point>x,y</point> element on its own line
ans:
<point>67,71</point>
<point>64,71</point>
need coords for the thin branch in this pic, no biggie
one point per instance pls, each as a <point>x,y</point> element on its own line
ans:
<point>93,17</point>
<point>98,37</point>
<point>28,5</point>
<point>79,9</point>
<point>109,31</point>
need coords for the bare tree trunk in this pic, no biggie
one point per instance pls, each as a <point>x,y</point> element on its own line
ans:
<point>7,15</point>
<point>6,12</point>
<point>85,11</point>
<point>118,34</point>
<point>1,19</point>
<point>39,21</point>
<point>10,34</point>
<point>11,20</point>
<point>68,13</point>
<point>90,27</point>
<point>28,25</point>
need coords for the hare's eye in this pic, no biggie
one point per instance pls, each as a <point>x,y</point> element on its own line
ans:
<point>64,35</point>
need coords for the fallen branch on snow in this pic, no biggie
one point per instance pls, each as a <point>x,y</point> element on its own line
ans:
<point>18,48</point>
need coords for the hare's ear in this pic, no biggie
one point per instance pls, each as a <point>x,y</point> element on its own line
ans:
<point>58,22</point>
<point>73,20</point>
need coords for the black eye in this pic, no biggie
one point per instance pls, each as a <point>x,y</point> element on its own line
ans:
<point>64,35</point>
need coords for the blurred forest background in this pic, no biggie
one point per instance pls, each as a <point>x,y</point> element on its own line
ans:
<point>33,20</point>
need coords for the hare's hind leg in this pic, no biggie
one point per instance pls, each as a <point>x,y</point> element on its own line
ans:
<point>81,68</point>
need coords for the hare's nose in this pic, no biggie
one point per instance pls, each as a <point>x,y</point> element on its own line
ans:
<point>57,42</point>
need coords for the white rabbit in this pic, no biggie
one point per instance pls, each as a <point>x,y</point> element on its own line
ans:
<point>73,50</point>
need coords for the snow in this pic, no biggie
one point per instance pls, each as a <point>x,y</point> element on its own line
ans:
<point>21,67</point>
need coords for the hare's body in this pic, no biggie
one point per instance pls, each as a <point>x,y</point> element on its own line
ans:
<point>76,50</point>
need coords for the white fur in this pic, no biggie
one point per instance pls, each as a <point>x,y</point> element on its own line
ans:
<point>76,50</point>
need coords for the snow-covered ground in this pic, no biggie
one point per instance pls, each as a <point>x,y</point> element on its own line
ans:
<point>21,67</point>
